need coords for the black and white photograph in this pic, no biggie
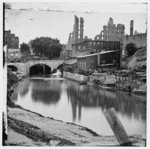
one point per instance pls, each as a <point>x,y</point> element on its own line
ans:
<point>74,74</point>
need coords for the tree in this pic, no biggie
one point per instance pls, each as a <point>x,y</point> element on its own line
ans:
<point>130,49</point>
<point>25,50</point>
<point>46,46</point>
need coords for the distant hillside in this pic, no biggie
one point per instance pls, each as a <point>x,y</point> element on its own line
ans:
<point>136,61</point>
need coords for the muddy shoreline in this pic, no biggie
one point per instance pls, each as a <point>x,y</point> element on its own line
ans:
<point>39,130</point>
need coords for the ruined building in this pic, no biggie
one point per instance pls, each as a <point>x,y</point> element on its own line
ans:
<point>97,53</point>
<point>78,30</point>
<point>111,32</point>
<point>139,39</point>
<point>76,36</point>
<point>131,27</point>
<point>78,44</point>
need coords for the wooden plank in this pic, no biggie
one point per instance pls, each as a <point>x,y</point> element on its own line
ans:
<point>117,127</point>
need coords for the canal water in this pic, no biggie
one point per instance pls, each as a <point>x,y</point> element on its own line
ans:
<point>66,100</point>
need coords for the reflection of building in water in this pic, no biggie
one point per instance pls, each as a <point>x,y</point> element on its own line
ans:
<point>92,97</point>
<point>76,105</point>
<point>47,92</point>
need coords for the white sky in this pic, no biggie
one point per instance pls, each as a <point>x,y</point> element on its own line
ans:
<point>36,21</point>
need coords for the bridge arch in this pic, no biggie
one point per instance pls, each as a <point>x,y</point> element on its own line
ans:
<point>39,68</point>
<point>13,67</point>
<point>25,68</point>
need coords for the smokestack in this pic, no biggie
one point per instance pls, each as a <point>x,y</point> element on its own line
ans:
<point>76,28</point>
<point>81,28</point>
<point>131,27</point>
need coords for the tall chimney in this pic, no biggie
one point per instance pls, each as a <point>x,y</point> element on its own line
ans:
<point>131,27</point>
<point>81,28</point>
<point>76,28</point>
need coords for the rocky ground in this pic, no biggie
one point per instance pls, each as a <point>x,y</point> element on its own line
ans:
<point>137,60</point>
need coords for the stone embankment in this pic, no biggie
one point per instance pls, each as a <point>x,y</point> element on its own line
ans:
<point>111,81</point>
<point>76,77</point>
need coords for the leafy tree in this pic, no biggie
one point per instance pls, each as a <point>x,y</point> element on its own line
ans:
<point>130,49</point>
<point>46,46</point>
<point>25,50</point>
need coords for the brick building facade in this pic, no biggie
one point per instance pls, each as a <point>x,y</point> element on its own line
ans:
<point>96,45</point>
<point>12,44</point>
<point>11,40</point>
<point>13,55</point>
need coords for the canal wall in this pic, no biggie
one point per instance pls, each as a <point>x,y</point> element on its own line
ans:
<point>75,77</point>
<point>124,83</point>
<point>104,78</point>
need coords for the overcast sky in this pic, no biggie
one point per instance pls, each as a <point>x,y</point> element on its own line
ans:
<point>31,20</point>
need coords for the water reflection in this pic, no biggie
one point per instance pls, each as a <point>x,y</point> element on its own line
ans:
<point>47,92</point>
<point>89,97</point>
<point>84,105</point>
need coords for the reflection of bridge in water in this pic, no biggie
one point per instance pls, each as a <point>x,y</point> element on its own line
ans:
<point>88,97</point>
<point>47,92</point>
<point>41,66</point>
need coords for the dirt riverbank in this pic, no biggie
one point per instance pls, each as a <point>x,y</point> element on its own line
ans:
<point>26,128</point>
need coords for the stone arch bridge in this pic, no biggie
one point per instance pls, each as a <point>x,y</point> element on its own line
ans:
<point>24,68</point>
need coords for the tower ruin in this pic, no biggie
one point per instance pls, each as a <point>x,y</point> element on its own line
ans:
<point>131,27</point>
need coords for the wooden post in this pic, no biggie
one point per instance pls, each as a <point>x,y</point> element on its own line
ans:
<point>117,127</point>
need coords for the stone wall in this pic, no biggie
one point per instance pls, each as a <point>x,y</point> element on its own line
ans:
<point>104,78</point>
<point>75,76</point>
